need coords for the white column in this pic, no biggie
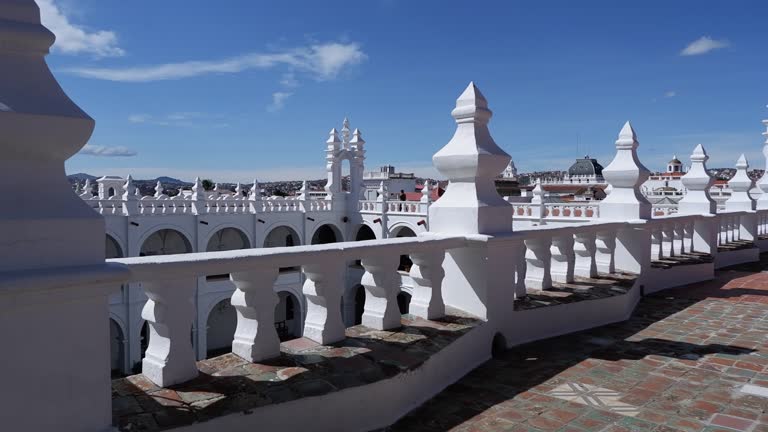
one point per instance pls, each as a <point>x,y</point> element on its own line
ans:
<point>678,242</point>
<point>605,244</point>
<point>254,300</point>
<point>657,251</point>
<point>563,259</point>
<point>520,270</point>
<point>427,275</point>
<point>667,239</point>
<point>585,264</point>
<point>381,282</point>
<point>538,258</point>
<point>170,358</point>
<point>323,288</point>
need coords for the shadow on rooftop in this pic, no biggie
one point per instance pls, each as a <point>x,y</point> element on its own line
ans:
<point>522,368</point>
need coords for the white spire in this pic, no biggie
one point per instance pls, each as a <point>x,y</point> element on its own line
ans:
<point>333,140</point>
<point>357,142</point>
<point>158,189</point>
<point>239,190</point>
<point>697,183</point>
<point>762,184</point>
<point>626,174</point>
<point>255,194</point>
<point>129,190</point>
<point>304,191</point>
<point>471,161</point>
<point>345,132</point>
<point>425,192</point>
<point>383,193</point>
<point>740,185</point>
<point>87,189</point>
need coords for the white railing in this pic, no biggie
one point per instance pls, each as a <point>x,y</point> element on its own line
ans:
<point>394,207</point>
<point>567,211</point>
<point>150,205</point>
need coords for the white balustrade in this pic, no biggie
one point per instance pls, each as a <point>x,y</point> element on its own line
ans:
<point>323,288</point>
<point>563,259</point>
<point>427,274</point>
<point>585,250</point>
<point>381,288</point>
<point>254,300</point>
<point>538,257</point>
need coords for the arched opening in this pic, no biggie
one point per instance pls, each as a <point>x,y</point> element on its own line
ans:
<point>346,176</point>
<point>325,234</point>
<point>116,348</point>
<point>220,329</point>
<point>288,316</point>
<point>282,236</point>
<point>227,239</point>
<point>110,192</point>
<point>365,233</point>
<point>498,345</point>
<point>405,260</point>
<point>165,242</point>
<point>359,304</point>
<point>403,301</point>
<point>112,248</point>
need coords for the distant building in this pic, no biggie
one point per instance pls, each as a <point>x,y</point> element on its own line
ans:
<point>393,181</point>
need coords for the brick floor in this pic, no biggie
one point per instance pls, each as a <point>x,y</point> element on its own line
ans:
<point>677,365</point>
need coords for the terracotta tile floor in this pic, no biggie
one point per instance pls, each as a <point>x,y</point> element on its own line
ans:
<point>679,364</point>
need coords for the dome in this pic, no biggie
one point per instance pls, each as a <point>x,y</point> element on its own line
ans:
<point>585,167</point>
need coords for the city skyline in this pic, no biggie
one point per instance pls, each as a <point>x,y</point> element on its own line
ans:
<point>246,91</point>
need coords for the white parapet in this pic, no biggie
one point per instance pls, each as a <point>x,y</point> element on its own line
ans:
<point>740,186</point>
<point>698,183</point>
<point>626,174</point>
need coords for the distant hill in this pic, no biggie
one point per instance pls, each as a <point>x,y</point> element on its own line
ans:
<point>81,177</point>
<point>171,181</point>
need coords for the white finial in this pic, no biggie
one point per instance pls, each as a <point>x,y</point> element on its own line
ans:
<point>255,194</point>
<point>740,185</point>
<point>762,184</point>
<point>538,194</point>
<point>158,189</point>
<point>129,190</point>
<point>333,141</point>
<point>382,191</point>
<point>626,174</point>
<point>239,190</point>
<point>425,192</point>
<point>357,140</point>
<point>77,188</point>
<point>345,133</point>
<point>697,182</point>
<point>471,161</point>
<point>304,191</point>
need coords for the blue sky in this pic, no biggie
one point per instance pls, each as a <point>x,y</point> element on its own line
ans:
<point>250,89</point>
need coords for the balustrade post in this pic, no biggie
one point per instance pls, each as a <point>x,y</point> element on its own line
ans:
<point>254,300</point>
<point>520,270</point>
<point>747,227</point>
<point>667,240</point>
<point>427,274</point>
<point>605,244</point>
<point>538,257</point>
<point>380,281</point>
<point>323,289</point>
<point>657,251</point>
<point>170,357</point>
<point>563,259</point>
<point>678,241</point>
<point>585,248</point>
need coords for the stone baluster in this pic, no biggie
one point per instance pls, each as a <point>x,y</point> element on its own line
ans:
<point>170,358</point>
<point>585,263</point>
<point>678,242</point>
<point>563,259</point>
<point>381,283</point>
<point>520,270</point>
<point>254,300</point>
<point>538,258</point>
<point>323,288</point>
<point>657,250</point>
<point>427,274</point>
<point>130,200</point>
<point>605,248</point>
<point>668,239</point>
<point>198,198</point>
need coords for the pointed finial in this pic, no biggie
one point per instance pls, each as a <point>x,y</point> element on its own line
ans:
<point>382,191</point>
<point>627,137</point>
<point>77,188</point>
<point>255,194</point>
<point>357,139</point>
<point>742,163</point>
<point>425,192</point>
<point>345,132</point>
<point>303,192</point>
<point>158,189</point>
<point>129,190</point>
<point>471,106</point>
<point>333,140</point>
<point>699,155</point>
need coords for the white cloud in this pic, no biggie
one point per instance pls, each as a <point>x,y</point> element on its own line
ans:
<point>139,118</point>
<point>703,45</point>
<point>289,80</point>
<point>107,151</point>
<point>180,119</point>
<point>75,39</point>
<point>320,61</point>
<point>278,101</point>
<point>670,94</point>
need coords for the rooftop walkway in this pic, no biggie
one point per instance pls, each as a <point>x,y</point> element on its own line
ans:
<point>689,359</point>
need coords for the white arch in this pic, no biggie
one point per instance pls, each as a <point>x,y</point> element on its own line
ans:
<point>277,225</point>
<point>161,227</point>
<point>371,227</point>
<point>336,230</point>
<point>119,242</point>
<point>397,226</point>
<point>225,225</point>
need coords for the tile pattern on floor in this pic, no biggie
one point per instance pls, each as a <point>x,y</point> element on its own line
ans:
<point>680,362</point>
